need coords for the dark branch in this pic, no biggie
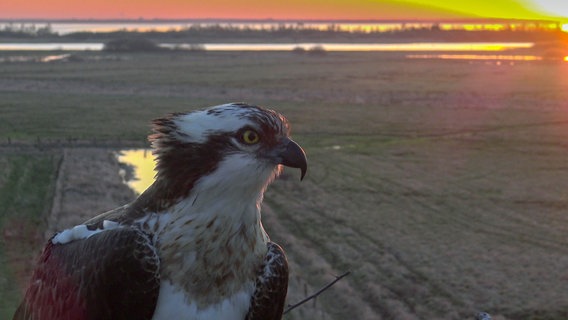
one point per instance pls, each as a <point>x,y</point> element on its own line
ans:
<point>294,306</point>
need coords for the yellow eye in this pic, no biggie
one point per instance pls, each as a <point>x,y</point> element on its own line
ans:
<point>250,137</point>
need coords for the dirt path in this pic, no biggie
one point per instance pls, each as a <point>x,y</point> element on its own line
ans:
<point>88,184</point>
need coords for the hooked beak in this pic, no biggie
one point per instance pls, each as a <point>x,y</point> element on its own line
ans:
<point>294,156</point>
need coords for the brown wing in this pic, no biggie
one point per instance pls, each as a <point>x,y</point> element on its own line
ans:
<point>271,286</point>
<point>110,275</point>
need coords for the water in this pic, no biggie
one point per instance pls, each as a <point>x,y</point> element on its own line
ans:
<point>404,47</point>
<point>359,27</point>
<point>429,46</point>
<point>142,161</point>
<point>51,46</point>
<point>496,57</point>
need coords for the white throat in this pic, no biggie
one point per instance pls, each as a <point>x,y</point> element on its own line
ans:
<point>212,243</point>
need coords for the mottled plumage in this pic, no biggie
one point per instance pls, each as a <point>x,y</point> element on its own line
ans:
<point>192,246</point>
<point>70,279</point>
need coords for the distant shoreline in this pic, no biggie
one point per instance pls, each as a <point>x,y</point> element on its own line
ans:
<point>273,31</point>
<point>220,20</point>
<point>550,42</point>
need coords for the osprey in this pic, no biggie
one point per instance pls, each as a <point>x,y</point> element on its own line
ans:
<point>192,246</point>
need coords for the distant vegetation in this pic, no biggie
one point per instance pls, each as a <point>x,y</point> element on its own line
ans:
<point>227,33</point>
<point>26,31</point>
<point>131,45</point>
<point>314,50</point>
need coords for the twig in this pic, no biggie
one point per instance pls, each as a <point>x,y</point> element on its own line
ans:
<point>294,306</point>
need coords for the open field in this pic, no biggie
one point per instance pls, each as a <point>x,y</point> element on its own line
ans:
<point>26,189</point>
<point>440,184</point>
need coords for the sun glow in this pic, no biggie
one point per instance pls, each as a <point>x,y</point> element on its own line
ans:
<point>565,27</point>
<point>415,10</point>
<point>484,27</point>
<point>475,57</point>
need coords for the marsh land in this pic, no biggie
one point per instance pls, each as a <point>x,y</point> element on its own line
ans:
<point>441,185</point>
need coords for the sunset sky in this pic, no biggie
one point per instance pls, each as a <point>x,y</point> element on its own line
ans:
<point>290,9</point>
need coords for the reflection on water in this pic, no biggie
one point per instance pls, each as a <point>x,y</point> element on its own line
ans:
<point>142,161</point>
<point>425,46</point>
<point>49,58</point>
<point>422,46</point>
<point>475,57</point>
<point>66,28</point>
<point>57,57</point>
<point>51,46</point>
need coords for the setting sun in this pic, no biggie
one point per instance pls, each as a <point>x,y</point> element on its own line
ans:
<point>565,27</point>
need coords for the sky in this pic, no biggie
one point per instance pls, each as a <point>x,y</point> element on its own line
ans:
<point>289,9</point>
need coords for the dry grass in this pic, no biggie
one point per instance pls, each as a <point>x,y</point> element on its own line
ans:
<point>26,183</point>
<point>440,185</point>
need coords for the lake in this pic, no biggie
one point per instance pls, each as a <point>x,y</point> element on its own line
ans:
<point>402,47</point>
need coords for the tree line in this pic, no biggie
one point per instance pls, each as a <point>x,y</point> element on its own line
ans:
<point>292,33</point>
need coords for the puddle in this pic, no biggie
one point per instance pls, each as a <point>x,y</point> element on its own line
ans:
<point>139,168</point>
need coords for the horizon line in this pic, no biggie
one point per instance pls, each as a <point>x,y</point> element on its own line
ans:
<point>271,20</point>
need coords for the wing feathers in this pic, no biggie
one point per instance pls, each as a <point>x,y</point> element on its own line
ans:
<point>111,275</point>
<point>271,286</point>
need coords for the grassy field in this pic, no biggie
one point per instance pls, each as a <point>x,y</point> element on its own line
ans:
<point>440,184</point>
<point>26,185</point>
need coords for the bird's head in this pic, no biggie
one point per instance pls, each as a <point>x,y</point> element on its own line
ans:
<point>228,146</point>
